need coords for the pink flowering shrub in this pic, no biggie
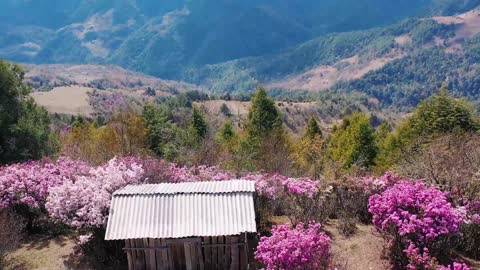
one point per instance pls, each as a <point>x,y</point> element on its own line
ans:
<point>85,202</point>
<point>198,173</point>
<point>454,266</point>
<point>470,229</point>
<point>301,247</point>
<point>417,220</point>
<point>373,184</point>
<point>29,183</point>
<point>267,185</point>
<point>302,186</point>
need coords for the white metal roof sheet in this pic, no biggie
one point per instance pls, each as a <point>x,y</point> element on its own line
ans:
<point>189,187</point>
<point>171,213</point>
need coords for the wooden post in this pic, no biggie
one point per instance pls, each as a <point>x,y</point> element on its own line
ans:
<point>228,251</point>
<point>188,256</point>
<point>152,262</point>
<point>134,253</point>
<point>208,253</point>
<point>129,255</point>
<point>214,254</point>
<point>244,254</point>
<point>159,255</point>
<point>235,255</point>
<point>200,257</point>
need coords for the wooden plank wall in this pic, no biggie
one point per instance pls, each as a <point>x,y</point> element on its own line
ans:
<point>224,252</point>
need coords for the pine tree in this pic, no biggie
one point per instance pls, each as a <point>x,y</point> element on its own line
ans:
<point>353,143</point>
<point>199,124</point>
<point>313,129</point>
<point>226,133</point>
<point>309,153</point>
<point>263,117</point>
<point>266,142</point>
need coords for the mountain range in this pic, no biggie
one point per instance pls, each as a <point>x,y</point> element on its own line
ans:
<point>397,52</point>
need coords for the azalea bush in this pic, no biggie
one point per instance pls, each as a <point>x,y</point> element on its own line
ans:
<point>301,247</point>
<point>470,229</point>
<point>418,223</point>
<point>24,187</point>
<point>29,183</point>
<point>85,201</point>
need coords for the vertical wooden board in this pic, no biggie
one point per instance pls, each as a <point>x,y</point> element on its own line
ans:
<point>168,256</point>
<point>178,256</point>
<point>200,257</point>
<point>193,252</point>
<point>228,251</point>
<point>221,253</point>
<point>141,252</point>
<point>214,254</point>
<point>133,252</point>
<point>244,253</point>
<point>158,255</point>
<point>129,255</point>
<point>146,253</point>
<point>188,256</point>
<point>235,254</point>
<point>152,260</point>
<point>207,253</point>
<point>171,258</point>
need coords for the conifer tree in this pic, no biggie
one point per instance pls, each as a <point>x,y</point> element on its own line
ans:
<point>199,124</point>
<point>353,143</point>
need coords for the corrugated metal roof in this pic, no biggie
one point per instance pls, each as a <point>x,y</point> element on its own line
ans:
<point>177,210</point>
<point>190,187</point>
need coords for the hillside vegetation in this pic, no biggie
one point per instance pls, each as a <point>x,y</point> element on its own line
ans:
<point>165,38</point>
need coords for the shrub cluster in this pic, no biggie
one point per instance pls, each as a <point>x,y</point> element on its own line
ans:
<point>301,247</point>
<point>418,222</point>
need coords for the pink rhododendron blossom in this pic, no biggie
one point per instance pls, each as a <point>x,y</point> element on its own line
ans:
<point>83,239</point>
<point>374,184</point>
<point>86,201</point>
<point>29,183</point>
<point>302,247</point>
<point>417,213</point>
<point>454,266</point>
<point>472,212</point>
<point>302,186</point>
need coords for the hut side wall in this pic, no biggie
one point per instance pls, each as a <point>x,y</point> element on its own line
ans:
<point>223,252</point>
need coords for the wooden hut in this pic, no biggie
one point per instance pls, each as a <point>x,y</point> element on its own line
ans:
<point>201,225</point>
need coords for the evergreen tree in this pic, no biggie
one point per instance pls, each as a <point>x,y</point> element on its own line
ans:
<point>162,135</point>
<point>308,154</point>
<point>24,126</point>
<point>266,142</point>
<point>436,116</point>
<point>263,117</point>
<point>226,133</point>
<point>353,143</point>
<point>313,129</point>
<point>199,124</point>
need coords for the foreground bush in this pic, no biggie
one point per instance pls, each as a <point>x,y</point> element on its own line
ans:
<point>85,201</point>
<point>418,222</point>
<point>470,229</point>
<point>302,247</point>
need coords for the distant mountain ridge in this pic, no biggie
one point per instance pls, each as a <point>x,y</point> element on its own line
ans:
<point>164,38</point>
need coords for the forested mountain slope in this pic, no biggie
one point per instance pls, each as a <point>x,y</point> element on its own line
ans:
<point>398,65</point>
<point>162,38</point>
